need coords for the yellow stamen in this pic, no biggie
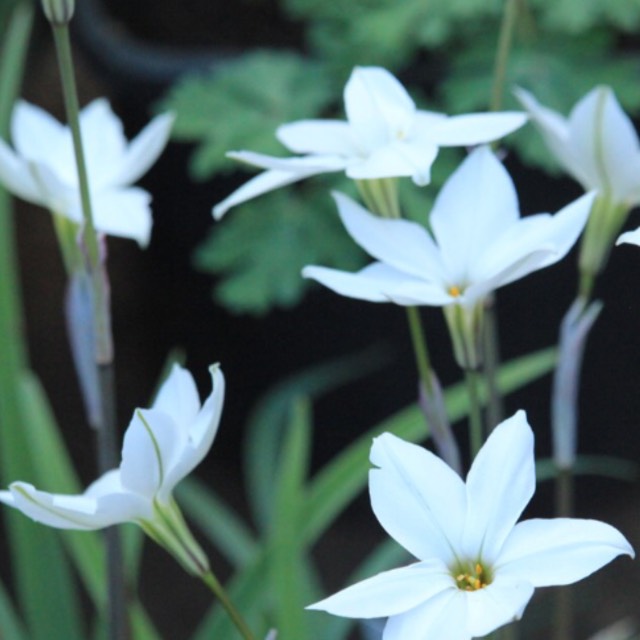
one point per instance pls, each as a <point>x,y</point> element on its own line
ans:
<point>454,291</point>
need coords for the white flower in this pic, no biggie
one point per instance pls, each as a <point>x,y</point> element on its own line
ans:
<point>477,568</point>
<point>161,446</point>
<point>42,169</point>
<point>384,136</point>
<point>629,237</point>
<point>479,242</point>
<point>597,144</point>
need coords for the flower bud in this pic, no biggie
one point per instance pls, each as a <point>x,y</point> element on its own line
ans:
<point>59,12</point>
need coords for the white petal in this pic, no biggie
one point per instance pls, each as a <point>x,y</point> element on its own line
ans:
<point>476,204</point>
<point>630,237</point>
<point>143,150</point>
<point>201,434</point>
<point>389,593</point>
<point>152,445</point>
<point>38,136</point>
<point>401,244</point>
<point>476,128</point>
<point>378,107</point>
<point>178,397</point>
<point>418,499</point>
<point>333,137</point>
<point>501,602</point>
<point>380,283</point>
<point>442,617</point>
<point>16,176</point>
<point>559,551</point>
<point>125,213</point>
<point>500,484</point>
<point>307,165</point>
<point>57,195</point>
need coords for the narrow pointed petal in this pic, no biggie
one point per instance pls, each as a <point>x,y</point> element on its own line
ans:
<point>418,499</point>
<point>144,150</point>
<point>57,196</point>
<point>201,434</point>
<point>467,215</point>
<point>443,616</point>
<point>476,128</point>
<point>503,601</point>
<point>152,444</point>
<point>324,137</point>
<point>401,244</point>
<point>178,397</point>
<point>499,486</point>
<point>560,551</point>
<point>377,106</point>
<point>389,593</point>
<point>379,283</point>
<point>16,177</point>
<point>37,135</point>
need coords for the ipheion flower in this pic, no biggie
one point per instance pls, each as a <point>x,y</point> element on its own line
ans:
<point>384,136</point>
<point>41,168</point>
<point>477,566</point>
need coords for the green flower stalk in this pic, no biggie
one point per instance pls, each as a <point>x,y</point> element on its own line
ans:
<point>59,12</point>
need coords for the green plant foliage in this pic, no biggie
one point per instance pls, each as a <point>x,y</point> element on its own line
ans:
<point>259,250</point>
<point>577,16</point>
<point>240,104</point>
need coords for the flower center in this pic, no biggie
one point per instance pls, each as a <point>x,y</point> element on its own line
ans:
<point>472,577</point>
<point>454,291</point>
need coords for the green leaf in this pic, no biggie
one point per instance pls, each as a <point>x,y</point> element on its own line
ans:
<point>11,627</point>
<point>260,250</point>
<point>578,16</point>
<point>345,476</point>
<point>217,521</point>
<point>286,574</point>
<point>592,465</point>
<point>267,423</point>
<point>240,104</point>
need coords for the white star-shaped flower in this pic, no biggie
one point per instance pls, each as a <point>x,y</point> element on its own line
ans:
<point>477,567</point>
<point>384,136</point>
<point>42,168</point>
<point>479,242</point>
<point>161,446</point>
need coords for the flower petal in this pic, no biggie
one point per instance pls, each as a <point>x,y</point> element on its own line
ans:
<point>468,214</point>
<point>629,237</point>
<point>178,397</point>
<point>401,244</point>
<point>152,445</point>
<point>418,499</point>
<point>390,592</point>
<point>378,107</point>
<point>500,484</point>
<point>476,128</point>
<point>559,551</point>
<point>501,602</point>
<point>443,616</point>
<point>330,137</point>
<point>143,150</point>
<point>16,176</point>
<point>201,434</point>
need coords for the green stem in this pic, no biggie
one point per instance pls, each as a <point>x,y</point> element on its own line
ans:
<point>420,348</point>
<point>491,365</point>
<point>476,436</point>
<point>218,590</point>
<point>562,629</point>
<point>505,40</point>
<point>107,453</point>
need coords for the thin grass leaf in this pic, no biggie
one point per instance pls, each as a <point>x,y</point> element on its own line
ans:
<point>592,465</point>
<point>217,521</point>
<point>11,627</point>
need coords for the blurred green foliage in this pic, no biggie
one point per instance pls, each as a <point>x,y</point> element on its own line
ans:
<point>444,53</point>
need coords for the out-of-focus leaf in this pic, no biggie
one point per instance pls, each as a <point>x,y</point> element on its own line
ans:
<point>240,105</point>
<point>260,249</point>
<point>578,16</point>
<point>11,627</point>
<point>218,522</point>
<point>346,475</point>
<point>592,465</point>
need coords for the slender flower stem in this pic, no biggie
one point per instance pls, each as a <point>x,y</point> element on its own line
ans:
<point>218,590</point>
<point>563,618</point>
<point>106,432</point>
<point>476,435</point>
<point>420,349</point>
<point>505,40</point>
<point>491,351</point>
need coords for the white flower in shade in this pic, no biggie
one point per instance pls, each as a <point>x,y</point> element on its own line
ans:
<point>477,566</point>
<point>384,136</point>
<point>629,237</point>
<point>161,446</point>
<point>597,144</point>
<point>42,168</point>
<point>479,242</point>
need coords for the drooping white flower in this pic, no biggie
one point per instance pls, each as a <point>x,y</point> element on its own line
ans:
<point>477,567</point>
<point>41,168</point>
<point>479,242</point>
<point>384,136</point>
<point>597,144</point>
<point>161,446</point>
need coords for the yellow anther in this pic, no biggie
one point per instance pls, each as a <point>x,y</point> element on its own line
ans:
<point>454,291</point>
<point>479,569</point>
